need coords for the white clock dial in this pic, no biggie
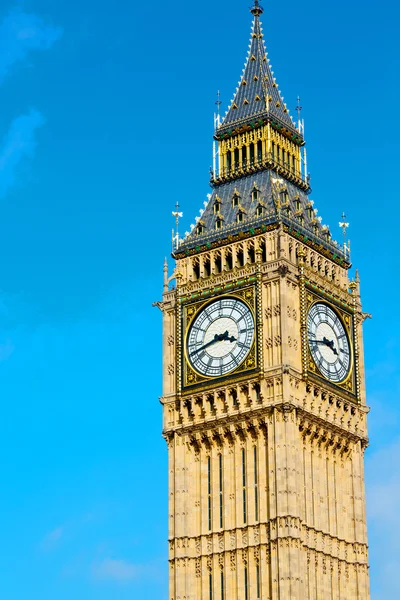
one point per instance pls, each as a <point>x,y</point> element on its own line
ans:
<point>328,342</point>
<point>220,337</point>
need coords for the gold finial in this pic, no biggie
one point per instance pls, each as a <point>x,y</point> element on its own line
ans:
<point>178,277</point>
<point>301,254</point>
<point>257,10</point>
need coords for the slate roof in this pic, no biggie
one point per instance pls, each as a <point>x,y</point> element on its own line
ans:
<point>257,93</point>
<point>281,201</point>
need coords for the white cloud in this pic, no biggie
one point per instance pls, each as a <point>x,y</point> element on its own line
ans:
<point>19,143</point>
<point>51,539</point>
<point>119,571</point>
<point>20,33</point>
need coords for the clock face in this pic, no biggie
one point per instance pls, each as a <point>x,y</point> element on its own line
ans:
<point>220,337</point>
<point>328,342</point>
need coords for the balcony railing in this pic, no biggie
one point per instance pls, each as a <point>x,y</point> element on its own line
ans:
<point>266,116</point>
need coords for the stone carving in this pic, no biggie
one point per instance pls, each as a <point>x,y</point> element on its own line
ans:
<point>283,270</point>
<point>232,559</point>
<point>209,563</point>
<point>256,535</point>
<point>221,541</point>
<point>198,567</point>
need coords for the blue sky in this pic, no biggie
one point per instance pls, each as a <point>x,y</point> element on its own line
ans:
<point>99,100</point>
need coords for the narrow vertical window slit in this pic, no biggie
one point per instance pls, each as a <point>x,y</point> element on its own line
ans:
<point>221,491</point>
<point>244,485</point>
<point>209,493</point>
<point>255,484</point>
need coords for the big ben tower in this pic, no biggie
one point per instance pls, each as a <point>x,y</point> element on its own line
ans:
<point>264,408</point>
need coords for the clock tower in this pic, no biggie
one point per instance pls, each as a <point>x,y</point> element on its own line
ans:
<point>264,408</point>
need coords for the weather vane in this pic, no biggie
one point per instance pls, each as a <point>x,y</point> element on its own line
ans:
<point>217,122</point>
<point>175,236</point>
<point>299,108</point>
<point>344,226</point>
<point>218,102</point>
<point>300,121</point>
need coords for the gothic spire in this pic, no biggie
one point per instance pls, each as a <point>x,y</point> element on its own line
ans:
<point>259,178</point>
<point>257,94</point>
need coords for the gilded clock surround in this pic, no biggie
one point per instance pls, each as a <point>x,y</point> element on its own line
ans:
<point>348,383</point>
<point>189,312</point>
<point>344,306</point>
<point>266,480</point>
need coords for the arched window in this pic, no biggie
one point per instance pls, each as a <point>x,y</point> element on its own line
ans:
<point>240,258</point>
<point>252,254</point>
<point>228,260</point>
<point>196,270</point>
<point>236,155</point>
<point>207,268</point>
<point>259,151</point>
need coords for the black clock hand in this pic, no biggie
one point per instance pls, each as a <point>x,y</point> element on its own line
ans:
<point>218,337</point>
<point>225,337</point>
<point>215,339</point>
<point>328,343</point>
